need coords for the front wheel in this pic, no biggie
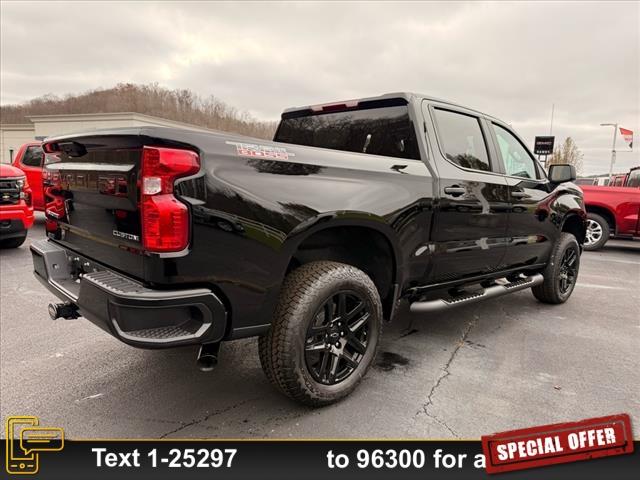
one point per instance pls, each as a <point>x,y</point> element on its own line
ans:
<point>561,273</point>
<point>325,333</point>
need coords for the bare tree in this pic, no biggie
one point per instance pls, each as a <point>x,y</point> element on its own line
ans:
<point>569,153</point>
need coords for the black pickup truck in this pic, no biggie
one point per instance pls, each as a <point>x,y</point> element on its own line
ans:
<point>166,237</point>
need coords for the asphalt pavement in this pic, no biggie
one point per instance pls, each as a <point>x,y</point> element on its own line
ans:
<point>503,364</point>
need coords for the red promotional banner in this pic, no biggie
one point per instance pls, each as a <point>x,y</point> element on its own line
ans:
<point>558,443</point>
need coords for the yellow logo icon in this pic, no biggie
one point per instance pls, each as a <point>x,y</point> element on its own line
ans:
<point>25,440</point>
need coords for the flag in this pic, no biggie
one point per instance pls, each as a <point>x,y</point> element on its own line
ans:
<point>628,136</point>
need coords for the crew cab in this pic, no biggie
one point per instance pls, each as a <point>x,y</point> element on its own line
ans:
<point>16,209</point>
<point>612,211</point>
<point>30,160</point>
<point>165,237</point>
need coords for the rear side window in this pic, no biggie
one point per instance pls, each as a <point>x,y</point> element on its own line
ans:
<point>384,131</point>
<point>517,161</point>
<point>462,140</point>
<point>33,157</point>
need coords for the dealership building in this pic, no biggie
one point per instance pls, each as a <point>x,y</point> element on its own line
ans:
<point>39,127</point>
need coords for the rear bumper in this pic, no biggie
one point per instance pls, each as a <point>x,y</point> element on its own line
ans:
<point>126,309</point>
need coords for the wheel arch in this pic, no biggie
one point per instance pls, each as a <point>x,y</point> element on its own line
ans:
<point>605,213</point>
<point>575,223</point>
<point>360,239</point>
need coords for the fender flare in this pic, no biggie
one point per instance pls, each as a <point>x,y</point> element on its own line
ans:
<point>343,218</point>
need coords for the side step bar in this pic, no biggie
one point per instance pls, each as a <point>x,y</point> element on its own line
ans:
<point>489,292</point>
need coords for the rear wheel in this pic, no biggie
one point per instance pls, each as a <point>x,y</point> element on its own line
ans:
<point>561,273</point>
<point>325,333</point>
<point>14,242</point>
<point>597,232</point>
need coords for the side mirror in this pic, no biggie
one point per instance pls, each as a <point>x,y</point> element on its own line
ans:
<point>560,173</point>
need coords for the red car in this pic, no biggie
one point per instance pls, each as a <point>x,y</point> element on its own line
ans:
<point>16,208</point>
<point>610,210</point>
<point>30,159</point>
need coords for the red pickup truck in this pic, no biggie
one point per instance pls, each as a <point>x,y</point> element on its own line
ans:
<point>610,210</point>
<point>30,160</point>
<point>16,210</point>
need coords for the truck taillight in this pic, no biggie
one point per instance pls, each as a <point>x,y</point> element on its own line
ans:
<point>165,220</point>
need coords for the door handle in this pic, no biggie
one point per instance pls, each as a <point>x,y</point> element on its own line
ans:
<point>519,194</point>
<point>455,190</point>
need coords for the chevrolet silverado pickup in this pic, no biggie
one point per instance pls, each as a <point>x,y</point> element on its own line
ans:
<point>165,237</point>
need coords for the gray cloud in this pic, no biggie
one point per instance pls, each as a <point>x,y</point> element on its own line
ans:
<point>511,60</point>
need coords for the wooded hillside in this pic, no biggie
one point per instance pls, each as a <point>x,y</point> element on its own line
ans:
<point>180,105</point>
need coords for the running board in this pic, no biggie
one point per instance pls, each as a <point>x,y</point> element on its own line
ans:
<point>489,292</point>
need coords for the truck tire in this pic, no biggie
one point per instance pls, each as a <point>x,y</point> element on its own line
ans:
<point>597,232</point>
<point>324,334</point>
<point>13,242</point>
<point>561,273</point>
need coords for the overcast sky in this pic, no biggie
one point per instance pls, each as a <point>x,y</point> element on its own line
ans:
<point>511,60</point>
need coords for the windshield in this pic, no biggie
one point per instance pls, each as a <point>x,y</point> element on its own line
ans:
<point>385,131</point>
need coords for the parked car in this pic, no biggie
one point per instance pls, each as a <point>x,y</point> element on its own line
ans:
<point>30,159</point>
<point>16,208</point>
<point>611,211</point>
<point>165,237</point>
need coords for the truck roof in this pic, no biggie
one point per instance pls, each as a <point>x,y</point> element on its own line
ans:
<point>408,96</point>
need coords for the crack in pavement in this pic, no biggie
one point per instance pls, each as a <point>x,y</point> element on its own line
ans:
<point>207,417</point>
<point>444,373</point>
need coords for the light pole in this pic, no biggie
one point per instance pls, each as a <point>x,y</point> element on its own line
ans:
<point>613,147</point>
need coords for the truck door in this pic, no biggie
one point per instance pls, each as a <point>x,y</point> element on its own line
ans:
<point>470,221</point>
<point>531,230</point>
<point>30,160</point>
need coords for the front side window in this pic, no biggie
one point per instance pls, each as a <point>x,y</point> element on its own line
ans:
<point>33,157</point>
<point>517,161</point>
<point>462,140</point>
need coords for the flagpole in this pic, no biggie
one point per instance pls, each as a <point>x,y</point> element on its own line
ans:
<point>613,147</point>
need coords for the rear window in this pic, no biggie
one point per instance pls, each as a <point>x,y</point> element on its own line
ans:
<point>384,131</point>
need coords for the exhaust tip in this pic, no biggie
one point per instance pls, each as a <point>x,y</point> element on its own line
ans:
<point>208,356</point>
<point>207,363</point>
<point>53,311</point>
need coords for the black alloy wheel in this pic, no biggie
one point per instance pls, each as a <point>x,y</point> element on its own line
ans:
<point>337,338</point>
<point>568,270</point>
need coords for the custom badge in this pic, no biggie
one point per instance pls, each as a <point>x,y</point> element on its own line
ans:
<point>254,150</point>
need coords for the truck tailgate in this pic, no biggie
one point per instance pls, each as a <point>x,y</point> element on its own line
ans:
<point>92,185</point>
